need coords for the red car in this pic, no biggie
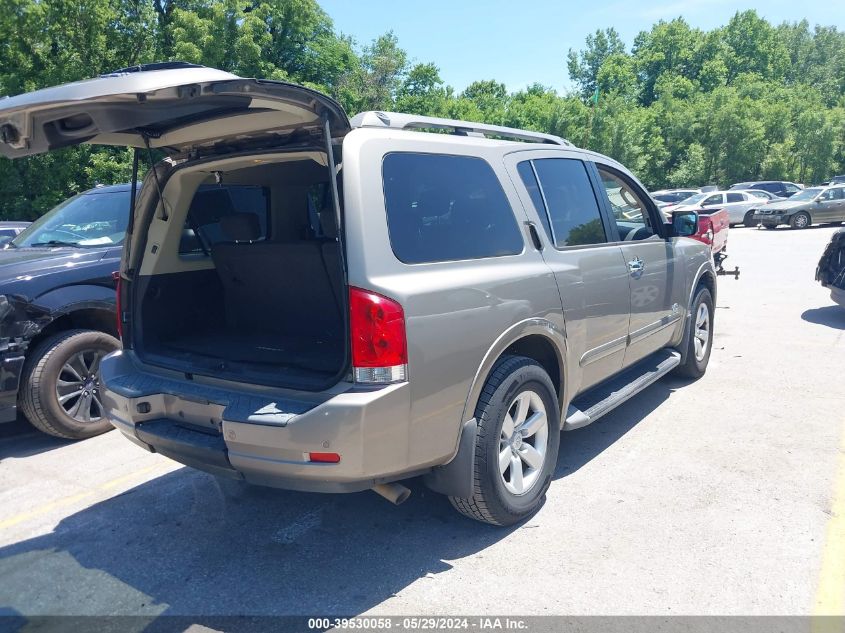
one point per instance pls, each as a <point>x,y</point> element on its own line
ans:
<point>713,229</point>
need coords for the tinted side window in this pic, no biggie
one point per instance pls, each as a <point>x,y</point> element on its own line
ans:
<point>445,208</point>
<point>735,197</point>
<point>211,203</point>
<point>712,200</point>
<point>571,203</point>
<point>526,173</point>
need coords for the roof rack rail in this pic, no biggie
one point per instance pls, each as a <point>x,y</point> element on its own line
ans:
<point>399,121</point>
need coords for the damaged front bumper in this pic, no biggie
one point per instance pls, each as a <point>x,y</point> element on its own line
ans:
<point>20,321</point>
<point>830,271</point>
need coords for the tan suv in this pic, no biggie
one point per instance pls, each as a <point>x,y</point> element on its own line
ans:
<point>386,297</point>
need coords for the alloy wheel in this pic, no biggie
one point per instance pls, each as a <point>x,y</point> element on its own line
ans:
<point>78,386</point>
<point>702,331</point>
<point>523,443</point>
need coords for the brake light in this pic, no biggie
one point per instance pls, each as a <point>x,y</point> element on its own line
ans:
<point>116,276</point>
<point>377,329</point>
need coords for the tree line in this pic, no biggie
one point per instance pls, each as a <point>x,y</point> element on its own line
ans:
<point>680,106</point>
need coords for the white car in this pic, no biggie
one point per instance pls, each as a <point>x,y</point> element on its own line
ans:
<point>740,205</point>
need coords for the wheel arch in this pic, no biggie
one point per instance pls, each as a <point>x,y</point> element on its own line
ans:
<point>99,317</point>
<point>535,338</point>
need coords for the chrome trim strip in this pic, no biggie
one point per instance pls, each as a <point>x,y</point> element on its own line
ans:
<point>603,350</point>
<point>652,328</point>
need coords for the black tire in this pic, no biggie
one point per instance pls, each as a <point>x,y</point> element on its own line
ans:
<point>491,501</point>
<point>770,226</point>
<point>694,366</point>
<point>800,220</point>
<point>748,220</point>
<point>37,396</point>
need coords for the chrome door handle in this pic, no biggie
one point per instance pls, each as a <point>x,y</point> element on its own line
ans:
<point>636,265</point>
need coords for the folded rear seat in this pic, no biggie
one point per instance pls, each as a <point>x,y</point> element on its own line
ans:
<point>282,289</point>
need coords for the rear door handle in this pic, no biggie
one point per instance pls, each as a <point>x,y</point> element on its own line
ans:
<point>636,266</point>
<point>535,236</point>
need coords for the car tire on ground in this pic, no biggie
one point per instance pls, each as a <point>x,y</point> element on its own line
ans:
<point>748,220</point>
<point>700,341</point>
<point>517,443</point>
<point>59,392</point>
<point>800,220</point>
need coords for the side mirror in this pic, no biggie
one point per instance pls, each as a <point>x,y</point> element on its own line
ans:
<point>684,223</point>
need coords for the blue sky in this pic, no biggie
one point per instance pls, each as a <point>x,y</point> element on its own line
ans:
<point>519,42</point>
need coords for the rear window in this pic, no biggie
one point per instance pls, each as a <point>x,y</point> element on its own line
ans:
<point>446,208</point>
<point>210,203</point>
<point>736,197</point>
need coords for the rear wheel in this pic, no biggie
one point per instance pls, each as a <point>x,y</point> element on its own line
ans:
<point>517,443</point>
<point>701,336</point>
<point>800,220</point>
<point>60,390</point>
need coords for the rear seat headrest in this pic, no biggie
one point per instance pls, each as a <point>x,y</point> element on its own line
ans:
<point>240,227</point>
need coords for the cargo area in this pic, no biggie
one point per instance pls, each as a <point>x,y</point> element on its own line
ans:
<point>247,283</point>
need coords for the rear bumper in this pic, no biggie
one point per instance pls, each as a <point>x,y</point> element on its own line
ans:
<point>264,437</point>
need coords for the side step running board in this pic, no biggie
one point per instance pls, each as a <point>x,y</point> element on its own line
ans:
<point>590,406</point>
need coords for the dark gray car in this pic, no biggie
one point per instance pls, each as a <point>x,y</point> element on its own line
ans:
<point>470,293</point>
<point>814,205</point>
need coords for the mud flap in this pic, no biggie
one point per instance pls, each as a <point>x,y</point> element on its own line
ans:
<point>455,478</point>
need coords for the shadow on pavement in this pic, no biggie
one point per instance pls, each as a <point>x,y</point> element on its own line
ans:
<point>21,439</point>
<point>831,316</point>
<point>187,543</point>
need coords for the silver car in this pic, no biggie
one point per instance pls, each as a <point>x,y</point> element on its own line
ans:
<point>814,205</point>
<point>740,205</point>
<point>379,301</point>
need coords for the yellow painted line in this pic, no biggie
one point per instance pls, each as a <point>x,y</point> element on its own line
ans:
<point>70,500</point>
<point>41,510</point>
<point>830,594</point>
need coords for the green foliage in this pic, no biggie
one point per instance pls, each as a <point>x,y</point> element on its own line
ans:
<point>682,107</point>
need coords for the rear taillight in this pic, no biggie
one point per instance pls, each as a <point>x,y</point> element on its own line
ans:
<point>119,304</point>
<point>377,329</point>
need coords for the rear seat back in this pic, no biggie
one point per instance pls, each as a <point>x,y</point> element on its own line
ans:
<point>277,286</point>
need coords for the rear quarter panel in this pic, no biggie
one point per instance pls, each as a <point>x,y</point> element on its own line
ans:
<point>456,313</point>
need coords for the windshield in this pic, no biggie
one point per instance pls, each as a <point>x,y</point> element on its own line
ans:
<point>696,198</point>
<point>85,220</point>
<point>806,194</point>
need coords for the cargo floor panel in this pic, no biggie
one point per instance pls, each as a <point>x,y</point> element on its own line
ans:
<point>260,348</point>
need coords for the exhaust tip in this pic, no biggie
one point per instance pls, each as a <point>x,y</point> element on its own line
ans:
<point>393,492</point>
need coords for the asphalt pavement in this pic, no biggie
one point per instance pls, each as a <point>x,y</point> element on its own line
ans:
<point>721,496</point>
